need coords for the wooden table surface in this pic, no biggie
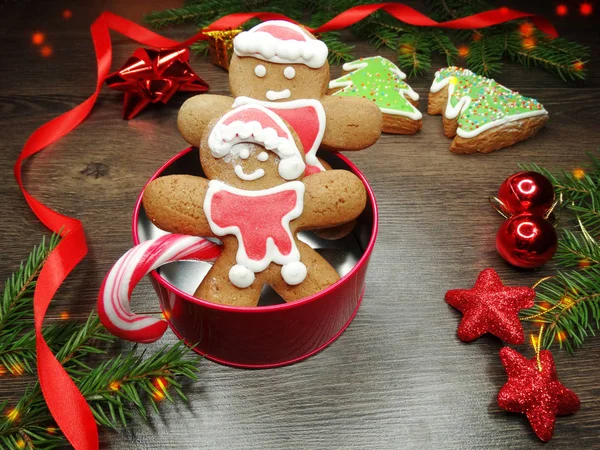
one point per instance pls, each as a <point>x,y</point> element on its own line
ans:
<point>398,377</point>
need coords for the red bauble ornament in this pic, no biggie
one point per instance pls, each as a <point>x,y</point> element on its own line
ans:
<point>491,307</point>
<point>526,192</point>
<point>534,390</point>
<point>526,240</point>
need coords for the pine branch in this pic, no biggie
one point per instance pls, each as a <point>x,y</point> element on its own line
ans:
<point>577,250</point>
<point>15,306</point>
<point>414,52</point>
<point>338,51</point>
<point>116,389</point>
<point>572,302</point>
<point>559,56</point>
<point>443,45</point>
<point>485,55</point>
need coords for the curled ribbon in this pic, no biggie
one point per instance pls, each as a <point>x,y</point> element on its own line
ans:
<point>67,405</point>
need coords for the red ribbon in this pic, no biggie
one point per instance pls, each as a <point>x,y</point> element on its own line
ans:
<point>68,407</point>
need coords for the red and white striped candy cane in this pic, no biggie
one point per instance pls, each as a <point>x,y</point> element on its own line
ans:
<point>115,294</point>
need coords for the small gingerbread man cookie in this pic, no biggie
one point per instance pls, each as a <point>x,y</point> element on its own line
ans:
<point>284,68</point>
<point>256,199</point>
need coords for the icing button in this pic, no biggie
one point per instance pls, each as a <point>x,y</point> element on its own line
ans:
<point>241,276</point>
<point>293,273</point>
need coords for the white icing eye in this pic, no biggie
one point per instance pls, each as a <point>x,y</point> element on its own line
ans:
<point>260,71</point>
<point>262,156</point>
<point>244,153</point>
<point>289,73</point>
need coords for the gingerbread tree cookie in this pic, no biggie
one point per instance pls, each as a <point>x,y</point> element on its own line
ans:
<point>256,199</point>
<point>481,113</point>
<point>381,81</point>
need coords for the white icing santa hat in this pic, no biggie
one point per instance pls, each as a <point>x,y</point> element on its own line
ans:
<point>281,42</point>
<point>257,124</point>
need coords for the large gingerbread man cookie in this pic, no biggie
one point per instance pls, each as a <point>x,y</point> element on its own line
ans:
<point>256,199</point>
<point>284,68</point>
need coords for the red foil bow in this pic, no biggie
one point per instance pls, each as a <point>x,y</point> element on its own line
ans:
<point>152,76</point>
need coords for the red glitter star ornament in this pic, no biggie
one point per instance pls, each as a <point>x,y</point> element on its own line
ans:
<point>152,76</point>
<point>491,307</point>
<point>533,389</point>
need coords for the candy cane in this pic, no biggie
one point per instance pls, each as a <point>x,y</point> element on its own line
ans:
<point>115,294</point>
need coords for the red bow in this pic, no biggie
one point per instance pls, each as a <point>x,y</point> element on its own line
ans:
<point>152,76</point>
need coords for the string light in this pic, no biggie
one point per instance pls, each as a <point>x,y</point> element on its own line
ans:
<point>46,51</point>
<point>528,43</point>
<point>114,386</point>
<point>13,415</point>
<point>3,370</point>
<point>38,38</point>
<point>562,10</point>
<point>526,29</point>
<point>578,65</point>
<point>586,9</point>
<point>17,369</point>
<point>463,51</point>
<point>51,430</point>
<point>406,48</point>
<point>582,264</point>
<point>160,388</point>
<point>20,443</point>
<point>578,173</point>
<point>561,336</point>
<point>64,315</point>
<point>67,14</point>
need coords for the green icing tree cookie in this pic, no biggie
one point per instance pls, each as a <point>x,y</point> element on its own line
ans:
<point>481,103</point>
<point>380,80</point>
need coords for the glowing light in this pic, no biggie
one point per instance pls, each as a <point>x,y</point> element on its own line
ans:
<point>20,443</point>
<point>578,65</point>
<point>160,387</point>
<point>17,369</point>
<point>582,264</point>
<point>476,36</point>
<point>46,51</point>
<point>67,14</point>
<point>526,29</point>
<point>561,335</point>
<point>13,415</point>
<point>567,301</point>
<point>406,48</point>
<point>463,51</point>
<point>114,386</point>
<point>51,430</point>
<point>545,305</point>
<point>562,10</point>
<point>3,370</point>
<point>528,43</point>
<point>38,38</point>
<point>64,315</point>
<point>578,173</point>
<point>527,230</point>
<point>586,9</point>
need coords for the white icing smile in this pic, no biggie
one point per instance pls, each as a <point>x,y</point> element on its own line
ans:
<point>278,95</point>
<point>239,171</point>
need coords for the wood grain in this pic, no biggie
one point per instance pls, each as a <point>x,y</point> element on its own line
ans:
<point>398,377</point>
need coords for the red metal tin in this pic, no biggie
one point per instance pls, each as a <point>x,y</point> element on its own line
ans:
<point>268,336</point>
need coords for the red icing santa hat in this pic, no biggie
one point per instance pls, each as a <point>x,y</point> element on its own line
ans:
<point>257,124</point>
<point>281,42</point>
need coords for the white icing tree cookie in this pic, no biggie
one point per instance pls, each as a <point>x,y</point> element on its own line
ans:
<point>381,81</point>
<point>481,114</point>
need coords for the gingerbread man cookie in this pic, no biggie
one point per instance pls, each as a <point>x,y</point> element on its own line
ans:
<point>284,68</point>
<point>256,199</point>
